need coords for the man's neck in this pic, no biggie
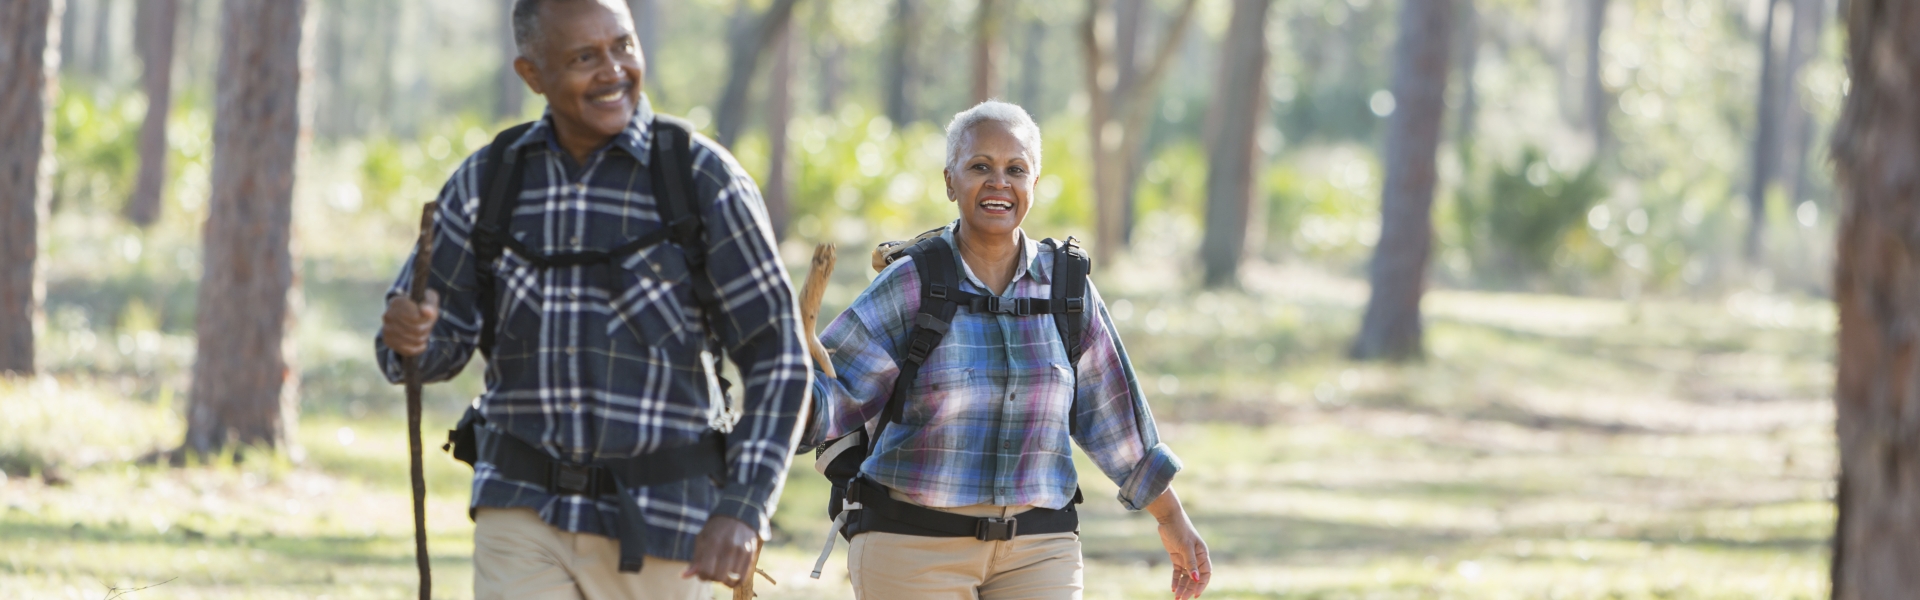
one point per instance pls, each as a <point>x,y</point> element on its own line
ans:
<point>578,144</point>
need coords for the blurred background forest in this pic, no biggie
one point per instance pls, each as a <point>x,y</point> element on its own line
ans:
<point>1626,390</point>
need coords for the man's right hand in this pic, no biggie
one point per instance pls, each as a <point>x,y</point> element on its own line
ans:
<point>406,326</point>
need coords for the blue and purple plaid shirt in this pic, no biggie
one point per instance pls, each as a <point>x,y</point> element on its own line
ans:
<point>988,420</point>
<point>589,364</point>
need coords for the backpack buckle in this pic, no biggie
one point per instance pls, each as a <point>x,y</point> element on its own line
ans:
<point>938,290</point>
<point>571,480</point>
<point>1075,305</point>
<point>993,529</point>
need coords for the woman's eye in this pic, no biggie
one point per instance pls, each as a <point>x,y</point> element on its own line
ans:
<point>1017,171</point>
<point>979,166</point>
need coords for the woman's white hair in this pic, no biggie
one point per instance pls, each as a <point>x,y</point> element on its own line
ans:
<point>960,130</point>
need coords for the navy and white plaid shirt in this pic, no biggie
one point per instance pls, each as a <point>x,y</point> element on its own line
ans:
<point>589,364</point>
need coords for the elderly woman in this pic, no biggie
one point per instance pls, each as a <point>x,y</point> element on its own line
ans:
<point>967,391</point>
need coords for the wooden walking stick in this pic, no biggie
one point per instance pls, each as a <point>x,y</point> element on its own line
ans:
<point>410,367</point>
<point>810,294</point>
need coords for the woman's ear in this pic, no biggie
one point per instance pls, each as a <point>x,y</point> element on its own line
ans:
<point>948,176</point>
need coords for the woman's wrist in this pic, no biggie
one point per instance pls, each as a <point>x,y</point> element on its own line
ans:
<point>1166,509</point>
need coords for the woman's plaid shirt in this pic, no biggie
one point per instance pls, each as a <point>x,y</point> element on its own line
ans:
<point>987,419</point>
<point>590,363</point>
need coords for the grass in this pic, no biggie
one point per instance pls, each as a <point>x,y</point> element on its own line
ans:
<point>1550,447</point>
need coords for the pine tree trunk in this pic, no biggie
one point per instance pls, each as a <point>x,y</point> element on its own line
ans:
<point>744,50</point>
<point>240,373</point>
<point>512,90</point>
<point>1031,66</point>
<point>1765,145</point>
<point>829,56</point>
<point>646,26</point>
<point>1796,122</point>
<point>155,20</point>
<point>1391,329</point>
<point>1469,94</point>
<point>1119,100</point>
<point>1595,101</point>
<point>903,96</point>
<point>1239,103</point>
<point>1876,149</point>
<point>987,50</point>
<point>29,63</point>
<point>779,185</point>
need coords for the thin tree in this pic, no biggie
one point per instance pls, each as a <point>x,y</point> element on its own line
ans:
<point>747,45</point>
<point>1796,125</point>
<point>779,184</point>
<point>989,50</point>
<point>513,91</point>
<point>1595,97</point>
<point>1391,329</point>
<point>155,22</point>
<point>902,93</point>
<point>241,378</point>
<point>646,26</point>
<point>1876,151</point>
<point>1239,105</point>
<point>1120,94</point>
<point>1766,133</point>
<point>29,62</point>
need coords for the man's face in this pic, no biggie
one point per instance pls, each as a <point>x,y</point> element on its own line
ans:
<point>588,65</point>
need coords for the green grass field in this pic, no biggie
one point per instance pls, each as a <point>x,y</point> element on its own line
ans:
<point>1551,447</point>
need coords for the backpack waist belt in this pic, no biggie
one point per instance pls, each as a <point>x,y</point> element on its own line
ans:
<point>520,461</point>
<point>882,512</point>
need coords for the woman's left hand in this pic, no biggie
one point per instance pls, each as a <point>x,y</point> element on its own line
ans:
<point>1192,570</point>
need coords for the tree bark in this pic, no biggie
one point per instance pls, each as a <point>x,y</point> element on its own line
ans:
<point>1118,115</point>
<point>1766,146</point>
<point>1391,329</point>
<point>646,26</point>
<point>1876,149</point>
<point>988,50</point>
<point>743,59</point>
<point>1796,125</point>
<point>829,54</point>
<point>29,64</point>
<point>903,96</point>
<point>512,89</point>
<point>100,59</point>
<point>1031,68</point>
<point>241,377</point>
<point>779,185</point>
<point>1595,102</point>
<point>1469,94</point>
<point>156,21</point>
<point>1239,103</point>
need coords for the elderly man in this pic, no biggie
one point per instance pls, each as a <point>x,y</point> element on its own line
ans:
<point>600,257</point>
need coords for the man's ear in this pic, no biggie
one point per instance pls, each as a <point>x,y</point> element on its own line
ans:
<point>528,73</point>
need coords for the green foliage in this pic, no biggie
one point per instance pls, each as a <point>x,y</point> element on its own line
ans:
<point>1514,217</point>
<point>1323,205</point>
<point>96,151</point>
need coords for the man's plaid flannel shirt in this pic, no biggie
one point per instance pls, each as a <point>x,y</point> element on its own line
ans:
<point>586,370</point>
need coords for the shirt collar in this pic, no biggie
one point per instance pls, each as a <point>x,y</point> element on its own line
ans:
<point>636,139</point>
<point>1029,255</point>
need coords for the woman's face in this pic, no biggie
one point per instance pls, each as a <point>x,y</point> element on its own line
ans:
<point>993,181</point>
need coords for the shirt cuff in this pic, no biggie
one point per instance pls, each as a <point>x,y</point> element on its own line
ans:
<point>1150,477</point>
<point>737,501</point>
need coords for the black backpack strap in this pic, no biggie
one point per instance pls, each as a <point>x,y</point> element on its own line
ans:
<point>1070,268</point>
<point>500,180</point>
<point>933,261</point>
<point>682,212</point>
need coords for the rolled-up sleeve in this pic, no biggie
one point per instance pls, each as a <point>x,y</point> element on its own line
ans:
<point>457,333</point>
<point>1111,419</point>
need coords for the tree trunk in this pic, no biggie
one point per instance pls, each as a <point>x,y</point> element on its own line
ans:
<point>1796,125</point>
<point>1876,149</point>
<point>1118,115</point>
<point>1239,103</point>
<point>903,96</point>
<point>1031,66</point>
<point>29,65</point>
<point>1765,145</point>
<point>829,54</point>
<point>512,89</point>
<point>646,26</point>
<point>1391,329</point>
<point>1469,95</point>
<point>743,58</point>
<point>101,56</point>
<point>241,390</point>
<point>779,185</point>
<point>987,51</point>
<point>1595,101</point>
<point>155,21</point>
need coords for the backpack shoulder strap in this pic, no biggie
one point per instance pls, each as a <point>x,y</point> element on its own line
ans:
<point>680,204</point>
<point>933,261</point>
<point>1070,269</point>
<point>500,179</point>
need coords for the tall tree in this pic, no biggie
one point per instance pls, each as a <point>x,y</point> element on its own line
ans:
<point>1876,150</point>
<point>989,50</point>
<point>241,378</point>
<point>1120,94</point>
<point>154,23</point>
<point>646,26</point>
<point>1031,70</point>
<point>1595,97</point>
<point>513,91</point>
<point>779,184</point>
<point>29,62</point>
<point>903,98</point>
<point>1239,105</point>
<point>829,54</point>
<point>1391,329</point>
<point>747,45</point>
<point>1766,131</point>
<point>1469,95</point>
<point>1796,126</point>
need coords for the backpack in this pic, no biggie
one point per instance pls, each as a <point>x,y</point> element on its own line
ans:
<point>934,261</point>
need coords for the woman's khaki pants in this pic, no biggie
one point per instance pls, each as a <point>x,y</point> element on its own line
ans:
<point>517,556</point>
<point>886,566</point>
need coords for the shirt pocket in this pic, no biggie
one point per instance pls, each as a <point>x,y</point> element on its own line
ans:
<point>937,396</point>
<point>519,306</point>
<point>651,296</point>
<point>1054,405</point>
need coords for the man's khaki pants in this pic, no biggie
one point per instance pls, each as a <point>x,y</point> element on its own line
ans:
<point>886,566</point>
<point>517,556</point>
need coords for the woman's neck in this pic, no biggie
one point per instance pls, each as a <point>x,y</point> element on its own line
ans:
<point>991,258</point>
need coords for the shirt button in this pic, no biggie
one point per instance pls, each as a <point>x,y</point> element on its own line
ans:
<point>1007,445</point>
<point>574,295</point>
<point>569,350</point>
<point>575,407</point>
<point>575,240</point>
<point>580,187</point>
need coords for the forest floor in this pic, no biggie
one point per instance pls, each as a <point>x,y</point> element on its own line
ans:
<point>1549,447</point>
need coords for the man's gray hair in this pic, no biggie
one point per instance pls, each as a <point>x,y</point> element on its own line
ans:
<point>960,130</point>
<point>526,22</point>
